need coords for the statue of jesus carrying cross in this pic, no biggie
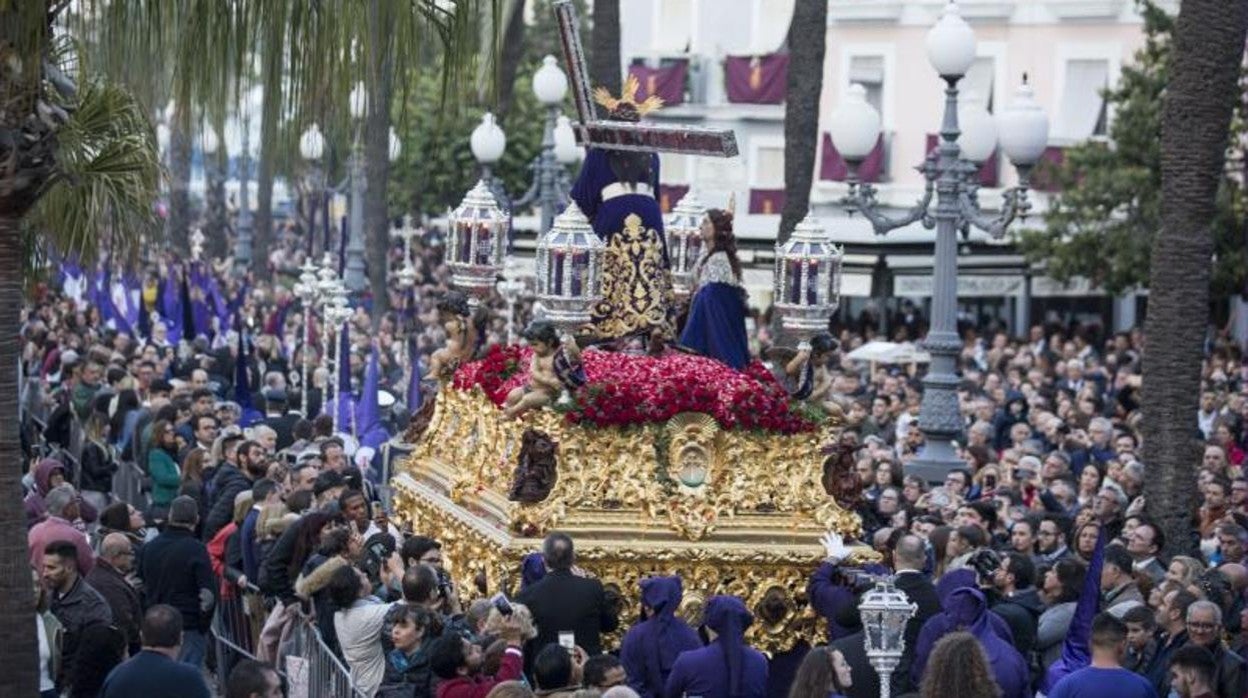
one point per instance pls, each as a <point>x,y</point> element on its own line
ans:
<point>617,190</point>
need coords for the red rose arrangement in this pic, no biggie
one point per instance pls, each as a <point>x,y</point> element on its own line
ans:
<point>625,389</point>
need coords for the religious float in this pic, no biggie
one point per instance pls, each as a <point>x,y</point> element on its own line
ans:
<point>654,463</point>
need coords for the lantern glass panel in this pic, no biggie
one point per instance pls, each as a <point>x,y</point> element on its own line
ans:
<point>463,246</point>
<point>485,242</point>
<point>793,294</point>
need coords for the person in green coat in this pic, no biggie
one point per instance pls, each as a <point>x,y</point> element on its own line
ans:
<point>162,466</point>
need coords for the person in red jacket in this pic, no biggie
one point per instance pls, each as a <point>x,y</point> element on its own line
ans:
<point>457,662</point>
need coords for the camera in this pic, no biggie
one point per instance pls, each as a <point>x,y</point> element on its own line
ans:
<point>445,585</point>
<point>377,549</point>
<point>501,603</point>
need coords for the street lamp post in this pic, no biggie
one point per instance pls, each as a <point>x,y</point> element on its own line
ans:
<point>950,172</point>
<point>243,243</point>
<point>306,291</point>
<point>354,276</point>
<point>550,186</point>
<point>311,147</point>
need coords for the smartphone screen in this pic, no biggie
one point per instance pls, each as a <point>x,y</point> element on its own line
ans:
<point>567,640</point>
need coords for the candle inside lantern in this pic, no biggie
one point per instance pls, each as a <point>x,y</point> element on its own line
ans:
<point>812,284</point>
<point>556,273</point>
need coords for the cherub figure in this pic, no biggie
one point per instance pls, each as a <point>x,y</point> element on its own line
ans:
<point>548,370</point>
<point>461,340</point>
<point>807,376</point>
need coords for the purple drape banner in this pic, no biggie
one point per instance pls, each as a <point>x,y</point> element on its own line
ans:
<point>668,82</point>
<point>766,201</point>
<point>670,195</point>
<point>756,79</point>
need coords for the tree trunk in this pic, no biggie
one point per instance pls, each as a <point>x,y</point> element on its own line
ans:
<point>510,56</point>
<point>604,54</point>
<point>262,223</point>
<point>380,54</point>
<point>807,43</point>
<point>180,175</point>
<point>1196,115</point>
<point>18,652</point>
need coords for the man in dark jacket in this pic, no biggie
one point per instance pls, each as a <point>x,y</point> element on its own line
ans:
<point>73,601</point>
<point>1014,597</point>
<point>154,672</point>
<point>176,571</point>
<point>1204,627</point>
<point>566,601</point>
<point>116,560</point>
<point>277,418</point>
<point>909,558</point>
<point>229,482</point>
<point>995,579</point>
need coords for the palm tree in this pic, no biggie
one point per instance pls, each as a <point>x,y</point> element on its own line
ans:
<point>807,41</point>
<point>1196,116</point>
<point>72,156</point>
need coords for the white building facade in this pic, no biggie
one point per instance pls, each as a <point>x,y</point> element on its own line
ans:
<point>1070,50</point>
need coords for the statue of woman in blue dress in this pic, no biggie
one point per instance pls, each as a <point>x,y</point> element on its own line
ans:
<point>616,191</point>
<point>716,323</point>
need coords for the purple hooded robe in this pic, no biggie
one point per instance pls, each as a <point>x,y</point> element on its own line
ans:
<point>726,668</point>
<point>651,647</point>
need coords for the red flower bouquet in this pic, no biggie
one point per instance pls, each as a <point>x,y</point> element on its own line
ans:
<point>623,389</point>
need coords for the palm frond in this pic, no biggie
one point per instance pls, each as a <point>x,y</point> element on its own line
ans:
<point>106,177</point>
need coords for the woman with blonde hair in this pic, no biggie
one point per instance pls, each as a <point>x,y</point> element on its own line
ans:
<point>1184,570</point>
<point>495,621</point>
<point>959,667</point>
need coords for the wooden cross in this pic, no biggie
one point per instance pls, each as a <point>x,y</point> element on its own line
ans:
<point>622,135</point>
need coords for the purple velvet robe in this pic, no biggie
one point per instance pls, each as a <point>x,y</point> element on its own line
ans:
<point>967,609</point>
<point>727,668</point>
<point>651,647</point>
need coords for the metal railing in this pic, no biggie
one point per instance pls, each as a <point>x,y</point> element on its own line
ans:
<point>307,665</point>
<point>311,669</point>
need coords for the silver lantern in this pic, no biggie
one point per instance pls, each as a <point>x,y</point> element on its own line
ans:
<point>683,229</point>
<point>569,270</point>
<point>476,244</point>
<point>885,611</point>
<point>807,280</point>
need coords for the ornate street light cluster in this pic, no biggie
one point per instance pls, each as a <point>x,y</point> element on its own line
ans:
<point>550,185</point>
<point>312,148</point>
<point>1022,132</point>
<point>320,286</point>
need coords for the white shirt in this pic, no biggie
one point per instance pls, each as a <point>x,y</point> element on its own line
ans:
<point>46,683</point>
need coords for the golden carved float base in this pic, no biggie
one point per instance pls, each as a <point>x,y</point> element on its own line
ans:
<point>730,512</point>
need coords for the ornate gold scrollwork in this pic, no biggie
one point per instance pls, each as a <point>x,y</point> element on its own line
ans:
<point>731,512</point>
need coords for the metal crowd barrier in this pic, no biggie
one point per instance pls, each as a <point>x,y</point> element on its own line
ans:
<point>307,665</point>
<point>311,669</point>
<point>236,624</point>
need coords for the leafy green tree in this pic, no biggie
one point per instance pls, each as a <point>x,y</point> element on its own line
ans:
<point>1103,224</point>
<point>436,167</point>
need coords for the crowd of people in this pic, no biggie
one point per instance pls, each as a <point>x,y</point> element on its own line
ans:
<point>1034,569</point>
